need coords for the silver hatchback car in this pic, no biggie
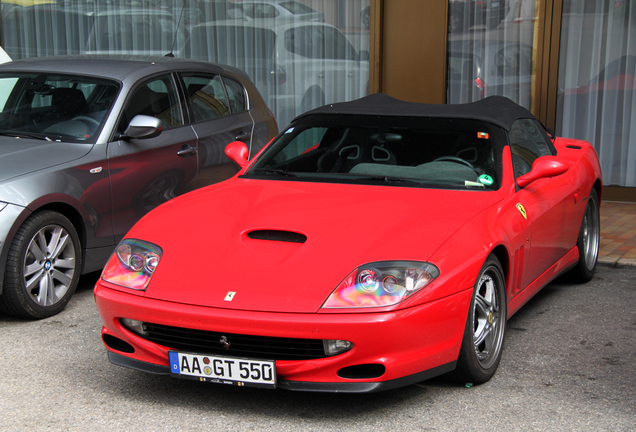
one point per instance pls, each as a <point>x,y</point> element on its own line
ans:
<point>89,144</point>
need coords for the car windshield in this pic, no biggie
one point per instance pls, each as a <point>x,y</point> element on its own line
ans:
<point>54,107</point>
<point>296,8</point>
<point>396,151</point>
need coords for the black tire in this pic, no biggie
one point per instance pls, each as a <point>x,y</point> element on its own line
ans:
<point>43,267</point>
<point>588,241</point>
<point>482,344</point>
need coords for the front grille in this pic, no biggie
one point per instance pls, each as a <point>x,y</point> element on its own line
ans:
<point>259,347</point>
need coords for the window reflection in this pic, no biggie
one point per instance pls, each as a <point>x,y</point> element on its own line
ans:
<point>596,99</point>
<point>490,50</point>
<point>300,54</point>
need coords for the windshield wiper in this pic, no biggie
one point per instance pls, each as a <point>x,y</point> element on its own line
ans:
<point>19,134</point>
<point>392,180</point>
<point>275,171</point>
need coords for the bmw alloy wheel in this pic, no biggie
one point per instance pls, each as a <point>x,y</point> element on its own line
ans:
<point>43,267</point>
<point>49,265</point>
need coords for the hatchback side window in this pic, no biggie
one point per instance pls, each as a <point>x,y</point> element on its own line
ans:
<point>236,95</point>
<point>262,10</point>
<point>207,97</point>
<point>155,98</point>
<point>527,143</point>
<point>319,42</point>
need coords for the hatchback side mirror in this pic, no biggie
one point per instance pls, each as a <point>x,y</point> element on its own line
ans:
<point>143,127</point>
<point>543,167</point>
<point>237,151</point>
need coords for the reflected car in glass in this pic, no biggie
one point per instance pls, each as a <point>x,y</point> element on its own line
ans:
<point>90,144</point>
<point>466,15</point>
<point>135,31</point>
<point>373,244</point>
<point>480,69</point>
<point>279,9</point>
<point>297,66</point>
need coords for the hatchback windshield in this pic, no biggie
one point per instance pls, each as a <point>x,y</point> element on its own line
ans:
<point>54,107</point>
<point>401,151</point>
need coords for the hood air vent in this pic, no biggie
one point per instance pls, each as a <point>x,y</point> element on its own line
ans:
<point>275,235</point>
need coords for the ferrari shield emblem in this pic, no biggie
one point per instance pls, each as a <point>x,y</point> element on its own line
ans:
<point>522,211</point>
<point>230,296</point>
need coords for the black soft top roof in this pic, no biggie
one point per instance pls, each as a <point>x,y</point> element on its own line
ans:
<point>493,109</point>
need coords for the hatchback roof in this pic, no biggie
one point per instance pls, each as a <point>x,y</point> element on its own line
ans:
<point>498,110</point>
<point>111,66</point>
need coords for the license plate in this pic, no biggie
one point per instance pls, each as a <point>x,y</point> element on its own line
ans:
<point>223,370</point>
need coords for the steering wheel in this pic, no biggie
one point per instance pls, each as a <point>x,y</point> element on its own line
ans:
<point>456,160</point>
<point>89,120</point>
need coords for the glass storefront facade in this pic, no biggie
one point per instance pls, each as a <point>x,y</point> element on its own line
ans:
<point>597,70</point>
<point>305,53</point>
<point>493,50</point>
<point>300,55</point>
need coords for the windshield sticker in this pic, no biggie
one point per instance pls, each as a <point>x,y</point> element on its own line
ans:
<point>482,135</point>
<point>485,179</point>
<point>469,183</point>
<point>290,130</point>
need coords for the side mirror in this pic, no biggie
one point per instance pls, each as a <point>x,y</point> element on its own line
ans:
<point>143,127</point>
<point>543,167</point>
<point>237,151</point>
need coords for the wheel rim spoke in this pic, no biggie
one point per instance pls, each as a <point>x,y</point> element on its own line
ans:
<point>34,281</point>
<point>60,244</point>
<point>63,278</point>
<point>65,263</point>
<point>37,247</point>
<point>30,269</point>
<point>45,285</point>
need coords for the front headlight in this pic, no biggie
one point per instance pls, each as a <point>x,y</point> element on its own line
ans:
<point>133,264</point>
<point>382,283</point>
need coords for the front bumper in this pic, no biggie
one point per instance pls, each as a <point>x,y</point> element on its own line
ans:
<point>9,215</point>
<point>412,345</point>
<point>307,386</point>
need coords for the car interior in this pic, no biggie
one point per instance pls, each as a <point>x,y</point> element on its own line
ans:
<point>462,153</point>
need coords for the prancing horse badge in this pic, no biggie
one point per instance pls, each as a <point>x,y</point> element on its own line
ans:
<point>522,211</point>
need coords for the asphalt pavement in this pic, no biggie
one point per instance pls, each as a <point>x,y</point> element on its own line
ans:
<point>569,363</point>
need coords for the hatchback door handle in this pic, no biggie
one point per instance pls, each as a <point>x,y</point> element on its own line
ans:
<point>186,151</point>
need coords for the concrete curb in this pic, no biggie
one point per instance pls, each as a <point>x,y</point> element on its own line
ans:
<point>616,262</point>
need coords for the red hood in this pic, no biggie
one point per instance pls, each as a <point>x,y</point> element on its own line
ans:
<point>207,253</point>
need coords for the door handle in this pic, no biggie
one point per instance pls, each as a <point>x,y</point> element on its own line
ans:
<point>242,136</point>
<point>186,151</point>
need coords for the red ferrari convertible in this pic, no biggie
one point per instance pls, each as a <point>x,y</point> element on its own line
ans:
<point>371,245</point>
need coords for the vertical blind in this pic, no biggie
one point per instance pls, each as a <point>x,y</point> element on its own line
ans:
<point>597,67</point>
<point>300,54</point>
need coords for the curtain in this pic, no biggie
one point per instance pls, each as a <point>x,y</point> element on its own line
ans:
<point>300,54</point>
<point>491,50</point>
<point>597,67</point>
